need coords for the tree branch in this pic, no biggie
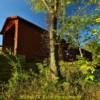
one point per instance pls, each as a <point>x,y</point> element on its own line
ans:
<point>46,5</point>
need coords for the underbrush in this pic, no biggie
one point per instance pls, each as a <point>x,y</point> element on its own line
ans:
<point>34,83</point>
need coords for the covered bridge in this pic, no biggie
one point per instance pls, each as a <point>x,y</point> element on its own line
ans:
<point>28,39</point>
<point>25,38</point>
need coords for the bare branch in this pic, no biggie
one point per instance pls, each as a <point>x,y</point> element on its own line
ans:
<point>46,5</point>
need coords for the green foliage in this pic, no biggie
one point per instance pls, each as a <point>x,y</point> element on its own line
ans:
<point>98,20</point>
<point>33,81</point>
<point>43,5</point>
<point>70,26</point>
<point>93,47</point>
<point>30,85</point>
<point>78,78</point>
<point>16,63</point>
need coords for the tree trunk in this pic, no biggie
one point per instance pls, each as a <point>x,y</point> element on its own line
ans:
<point>81,54</point>
<point>80,50</point>
<point>53,68</point>
<point>53,30</point>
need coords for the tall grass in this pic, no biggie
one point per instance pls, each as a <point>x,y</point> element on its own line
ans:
<point>34,83</point>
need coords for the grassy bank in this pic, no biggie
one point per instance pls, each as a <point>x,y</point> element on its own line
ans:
<point>31,81</point>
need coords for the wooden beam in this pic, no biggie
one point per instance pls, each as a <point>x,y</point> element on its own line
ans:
<point>16,37</point>
<point>8,26</point>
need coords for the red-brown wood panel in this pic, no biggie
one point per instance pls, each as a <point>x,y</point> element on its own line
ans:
<point>33,42</point>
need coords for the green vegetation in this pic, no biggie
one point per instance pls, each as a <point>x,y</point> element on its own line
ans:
<point>79,81</point>
<point>70,26</point>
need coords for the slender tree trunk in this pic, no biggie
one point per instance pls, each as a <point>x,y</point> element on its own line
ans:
<point>53,67</point>
<point>57,51</point>
<point>53,30</point>
<point>80,50</point>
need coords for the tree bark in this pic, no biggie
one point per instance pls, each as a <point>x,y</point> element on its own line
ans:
<point>53,68</point>
<point>54,65</point>
<point>81,54</point>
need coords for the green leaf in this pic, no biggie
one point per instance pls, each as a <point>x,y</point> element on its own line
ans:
<point>97,20</point>
<point>84,68</point>
<point>90,77</point>
<point>94,31</point>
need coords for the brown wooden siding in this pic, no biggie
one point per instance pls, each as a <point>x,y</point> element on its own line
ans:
<point>8,39</point>
<point>32,41</point>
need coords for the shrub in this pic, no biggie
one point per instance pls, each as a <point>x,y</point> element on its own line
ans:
<point>29,84</point>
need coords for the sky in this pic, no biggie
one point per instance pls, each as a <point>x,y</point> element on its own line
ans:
<point>20,8</point>
<point>23,9</point>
